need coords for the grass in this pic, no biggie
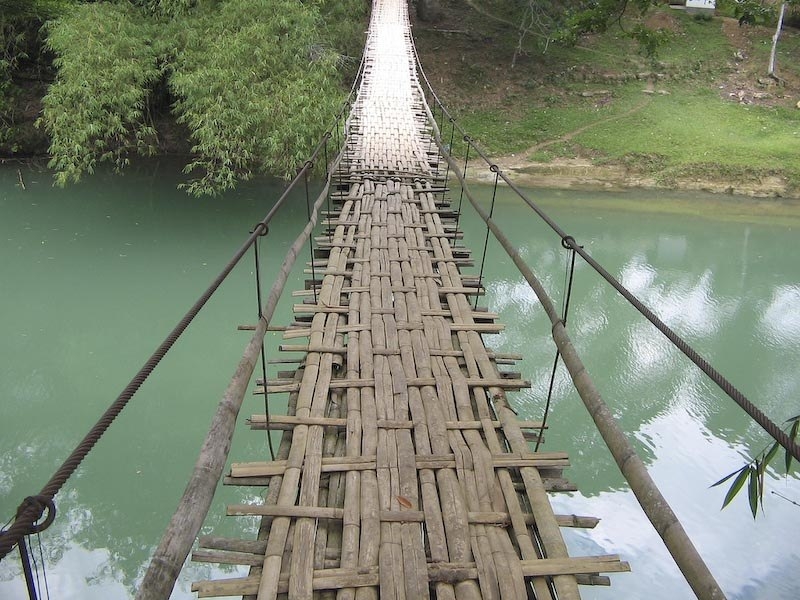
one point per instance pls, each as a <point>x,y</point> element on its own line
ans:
<point>687,128</point>
<point>695,126</point>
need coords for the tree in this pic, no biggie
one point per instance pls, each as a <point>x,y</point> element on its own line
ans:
<point>773,51</point>
<point>20,42</point>
<point>255,82</point>
<point>752,12</point>
<point>565,21</point>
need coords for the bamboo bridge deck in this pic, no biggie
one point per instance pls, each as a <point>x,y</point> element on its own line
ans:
<point>402,472</point>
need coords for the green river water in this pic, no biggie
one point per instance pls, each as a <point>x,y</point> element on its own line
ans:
<point>93,277</point>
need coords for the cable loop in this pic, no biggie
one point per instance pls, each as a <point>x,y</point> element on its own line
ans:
<point>494,168</point>
<point>261,228</point>
<point>41,503</point>
<point>467,139</point>
<point>568,242</point>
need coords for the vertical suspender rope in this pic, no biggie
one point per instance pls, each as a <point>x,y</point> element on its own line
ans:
<point>461,195</point>
<point>44,566</point>
<point>310,237</point>
<point>327,177</point>
<point>494,169</point>
<point>568,278</point>
<point>262,229</point>
<point>450,146</point>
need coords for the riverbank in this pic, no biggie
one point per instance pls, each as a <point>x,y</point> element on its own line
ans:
<point>700,116</point>
<point>583,174</point>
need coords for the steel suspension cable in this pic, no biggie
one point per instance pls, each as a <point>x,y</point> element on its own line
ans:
<point>772,428</point>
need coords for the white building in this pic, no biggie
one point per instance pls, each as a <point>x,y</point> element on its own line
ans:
<point>701,5</point>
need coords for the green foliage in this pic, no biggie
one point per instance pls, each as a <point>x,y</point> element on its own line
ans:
<point>38,9</point>
<point>254,81</point>
<point>753,473</point>
<point>595,16</point>
<point>96,109</point>
<point>167,7</point>
<point>749,12</point>
<point>650,40</point>
<point>255,94</point>
<point>19,43</point>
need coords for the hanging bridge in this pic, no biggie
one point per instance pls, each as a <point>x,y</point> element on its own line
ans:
<point>402,471</point>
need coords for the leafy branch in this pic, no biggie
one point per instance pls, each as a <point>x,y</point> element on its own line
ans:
<point>753,472</point>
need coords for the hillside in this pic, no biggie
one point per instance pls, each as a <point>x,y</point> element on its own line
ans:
<point>701,114</point>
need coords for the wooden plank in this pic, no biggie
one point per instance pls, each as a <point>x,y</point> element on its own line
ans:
<point>280,386</point>
<point>278,421</point>
<point>266,510</point>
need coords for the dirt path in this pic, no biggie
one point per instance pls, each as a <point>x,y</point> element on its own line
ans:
<point>510,160</point>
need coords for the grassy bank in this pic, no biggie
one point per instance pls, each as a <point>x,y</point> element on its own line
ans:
<point>703,112</point>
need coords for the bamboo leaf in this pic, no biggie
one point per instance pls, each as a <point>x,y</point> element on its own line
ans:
<point>793,436</point>
<point>724,479</point>
<point>736,485</point>
<point>752,489</point>
<point>770,455</point>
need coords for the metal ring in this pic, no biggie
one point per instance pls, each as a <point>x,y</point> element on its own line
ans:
<point>565,242</point>
<point>262,227</point>
<point>309,164</point>
<point>494,168</point>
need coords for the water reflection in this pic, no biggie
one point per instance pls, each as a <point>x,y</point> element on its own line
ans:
<point>781,319</point>
<point>74,571</point>
<point>731,289</point>
<point>763,566</point>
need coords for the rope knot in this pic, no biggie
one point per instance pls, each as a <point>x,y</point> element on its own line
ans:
<point>261,228</point>
<point>40,504</point>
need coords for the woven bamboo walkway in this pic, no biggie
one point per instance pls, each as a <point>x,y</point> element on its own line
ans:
<point>402,472</point>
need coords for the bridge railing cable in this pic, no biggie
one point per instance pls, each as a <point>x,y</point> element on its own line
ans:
<point>29,517</point>
<point>770,426</point>
<point>650,498</point>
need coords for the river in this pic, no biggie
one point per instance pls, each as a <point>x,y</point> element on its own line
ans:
<point>94,276</point>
